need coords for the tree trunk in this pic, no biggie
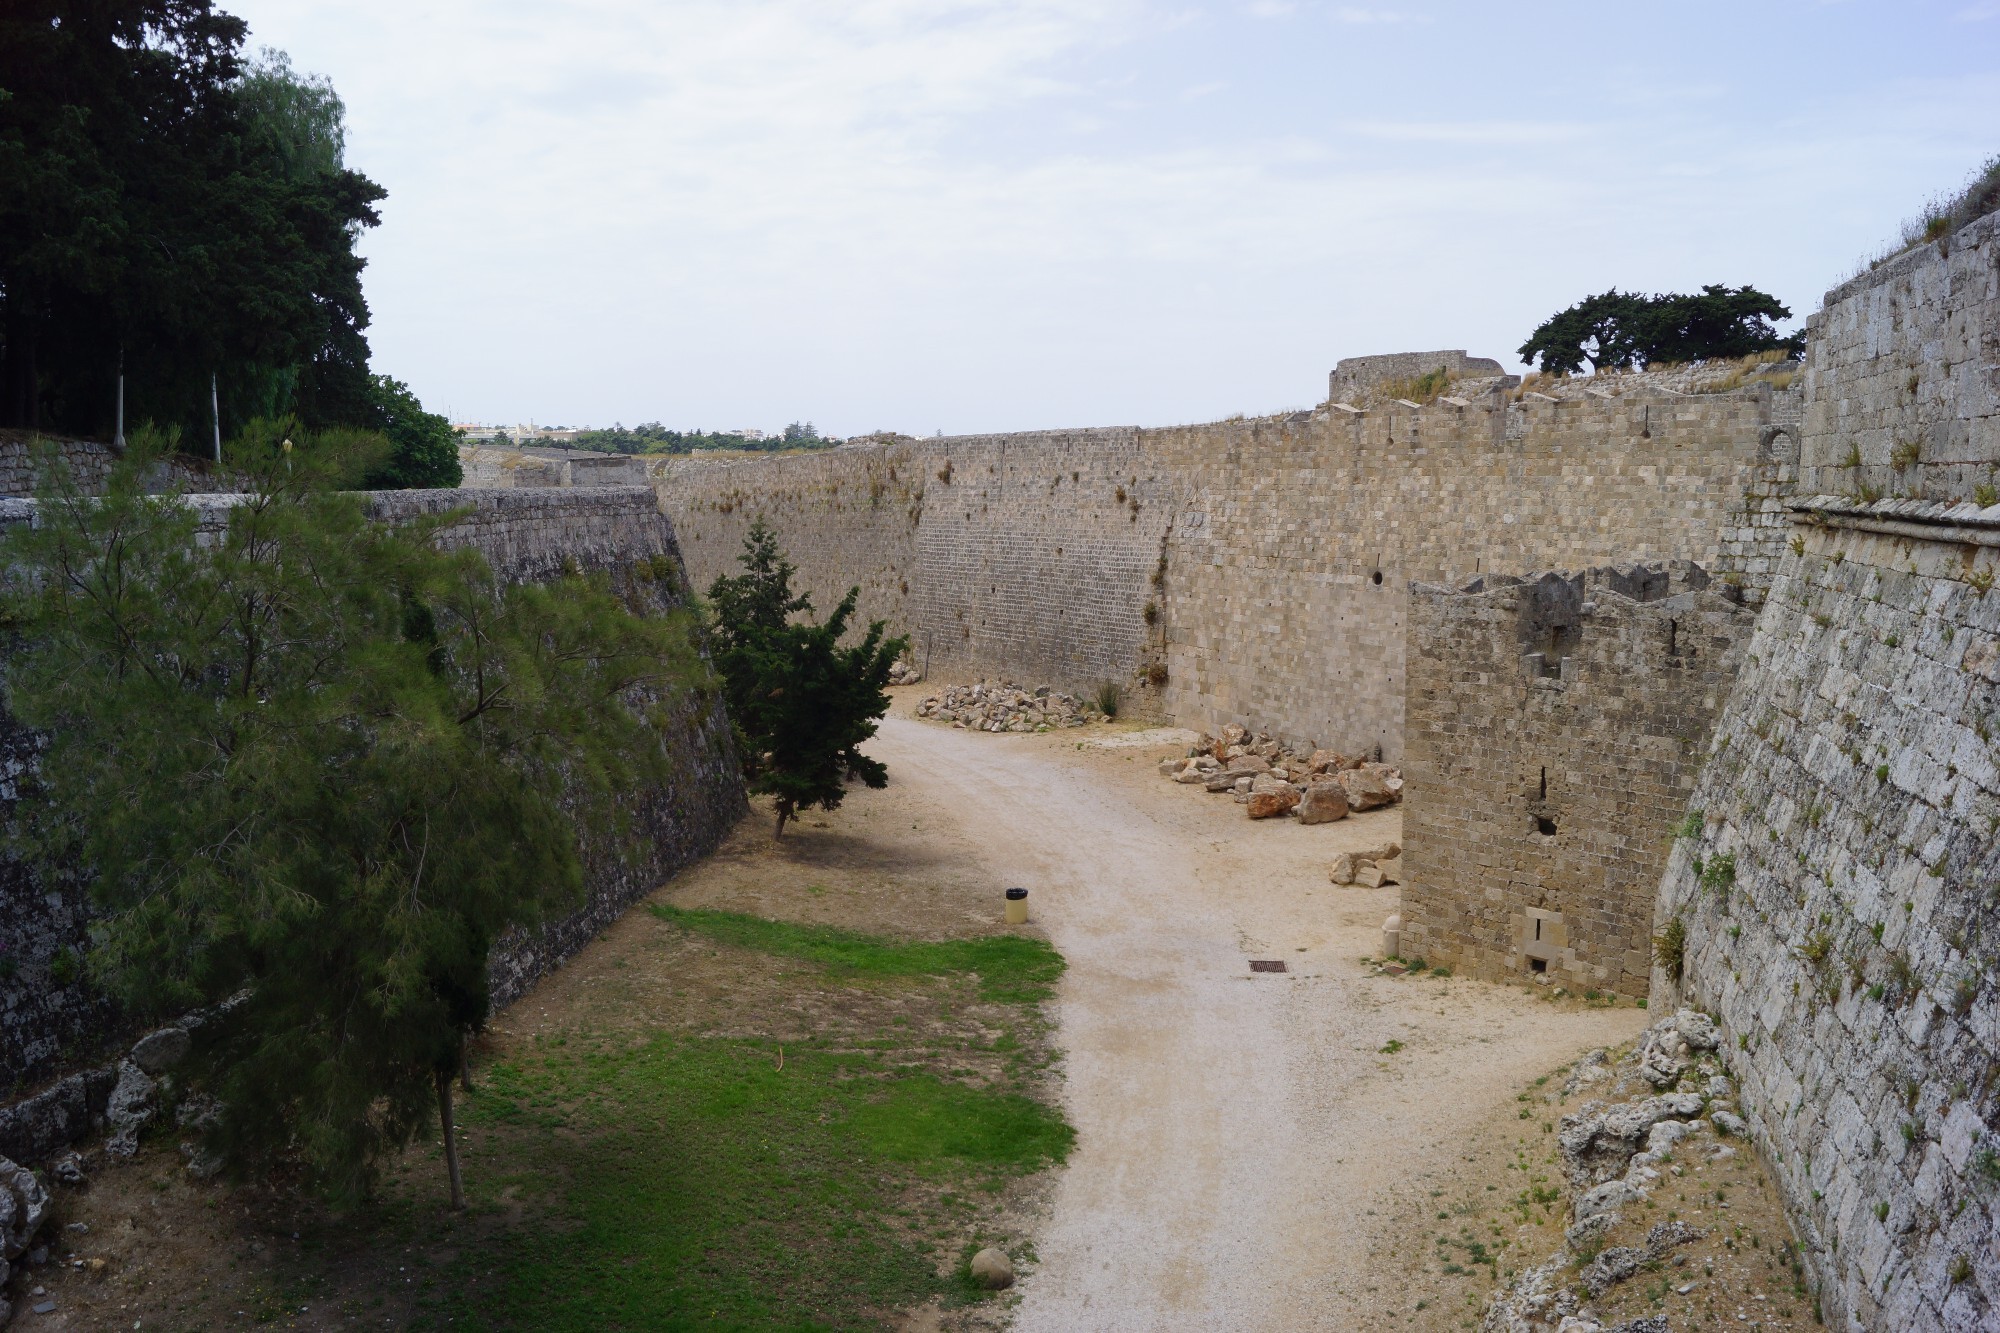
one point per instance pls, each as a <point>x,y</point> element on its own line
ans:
<point>783,815</point>
<point>450,1140</point>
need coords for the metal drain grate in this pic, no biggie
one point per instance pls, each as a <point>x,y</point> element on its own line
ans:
<point>1267,965</point>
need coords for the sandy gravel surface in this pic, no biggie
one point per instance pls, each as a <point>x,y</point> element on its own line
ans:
<point>1248,1157</point>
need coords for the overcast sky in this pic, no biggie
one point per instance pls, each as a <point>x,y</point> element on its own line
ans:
<point>1005,214</point>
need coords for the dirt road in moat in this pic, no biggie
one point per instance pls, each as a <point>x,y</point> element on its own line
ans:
<point>1248,1157</point>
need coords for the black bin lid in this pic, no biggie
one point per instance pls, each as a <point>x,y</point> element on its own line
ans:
<point>1015,895</point>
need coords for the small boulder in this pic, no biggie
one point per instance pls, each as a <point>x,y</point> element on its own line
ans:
<point>1381,851</point>
<point>1607,1198</point>
<point>1697,1030</point>
<point>1342,870</point>
<point>130,1109</point>
<point>1327,761</point>
<point>1728,1122</point>
<point>1365,790</point>
<point>1323,803</point>
<point>1391,868</point>
<point>1270,798</point>
<point>1172,767</point>
<point>157,1052</point>
<point>992,1269</point>
<point>24,1206</point>
<point>1192,775</point>
<point>1369,875</point>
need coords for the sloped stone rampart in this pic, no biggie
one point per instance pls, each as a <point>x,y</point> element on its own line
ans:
<point>1840,902</point>
<point>50,1021</point>
<point>1841,920</point>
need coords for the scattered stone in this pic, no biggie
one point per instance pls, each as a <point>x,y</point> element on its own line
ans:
<point>160,1051</point>
<point>1365,790</point>
<point>130,1109</point>
<point>903,672</point>
<point>24,1206</point>
<point>1594,1067</point>
<point>1607,1198</point>
<point>1006,707</point>
<point>1270,797</point>
<point>1697,1030</point>
<point>992,1269</point>
<point>1598,1143</point>
<point>1323,803</point>
<point>1382,862</point>
<point>1727,1122</point>
<point>68,1170</point>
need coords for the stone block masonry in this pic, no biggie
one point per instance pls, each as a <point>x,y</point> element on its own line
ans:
<point>1839,903</point>
<point>1840,912</point>
<point>50,1021</point>
<point>1357,376</point>
<point>1260,566</point>
<point>1903,376</point>
<point>1556,725</point>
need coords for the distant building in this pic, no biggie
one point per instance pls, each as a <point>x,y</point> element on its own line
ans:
<point>516,434</point>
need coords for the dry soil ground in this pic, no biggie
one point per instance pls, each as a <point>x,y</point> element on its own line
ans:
<point>1255,1151</point>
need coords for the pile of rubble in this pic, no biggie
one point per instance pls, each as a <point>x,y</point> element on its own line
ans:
<point>904,672</point>
<point>1006,707</point>
<point>1677,1101</point>
<point>1270,780</point>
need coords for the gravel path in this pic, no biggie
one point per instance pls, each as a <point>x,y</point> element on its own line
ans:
<point>1244,1145</point>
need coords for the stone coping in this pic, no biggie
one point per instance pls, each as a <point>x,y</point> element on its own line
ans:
<point>1927,520</point>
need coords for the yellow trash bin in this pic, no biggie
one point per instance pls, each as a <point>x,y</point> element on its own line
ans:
<point>1017,907</point>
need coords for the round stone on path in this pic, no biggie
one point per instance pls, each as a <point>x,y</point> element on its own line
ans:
<point>992,1269</point>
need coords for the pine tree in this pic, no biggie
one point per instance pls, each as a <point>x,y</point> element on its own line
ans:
<point>318,766</point>
<point>802,705</point>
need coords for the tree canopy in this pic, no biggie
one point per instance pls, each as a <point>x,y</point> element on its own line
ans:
<point>318,766</point>
<point>180,213</point>
<point>653,438</point>
<point>1627,330</point>
<point>801,704</point>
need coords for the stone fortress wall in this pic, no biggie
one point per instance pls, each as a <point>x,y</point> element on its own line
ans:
<point>1841,902</point>
<point>52,1023</point>
<point>1834,872</point>
<point>1556,727</point>
<point>1264,563</point>
<point>1355,378</point>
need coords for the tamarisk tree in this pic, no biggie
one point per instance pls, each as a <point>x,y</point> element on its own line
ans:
<point>801,704</point>
<point>317,766</point>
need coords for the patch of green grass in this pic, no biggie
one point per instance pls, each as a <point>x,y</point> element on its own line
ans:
<point>1012,969</point>
<point>701,1185</point>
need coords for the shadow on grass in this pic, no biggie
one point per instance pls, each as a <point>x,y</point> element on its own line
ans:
<point>691,1182</point>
